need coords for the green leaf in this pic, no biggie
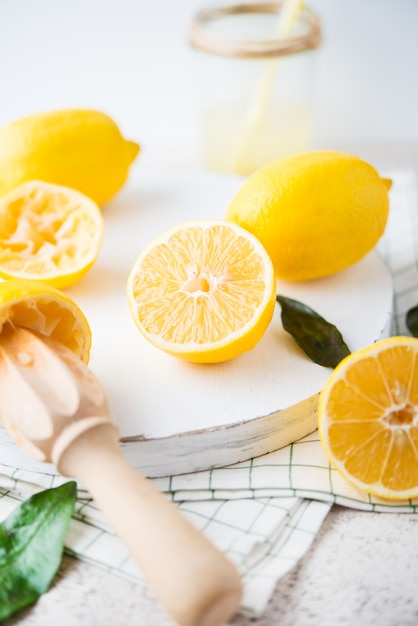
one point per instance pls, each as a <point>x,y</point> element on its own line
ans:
<point>321,341</point>
<point>412,321</point>
<point>31,546</point>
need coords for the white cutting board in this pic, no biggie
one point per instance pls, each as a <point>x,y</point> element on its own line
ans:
<point>177,417</point>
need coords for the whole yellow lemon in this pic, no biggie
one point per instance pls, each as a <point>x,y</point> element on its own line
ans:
<point>316,213</point>
<point>79,148</point>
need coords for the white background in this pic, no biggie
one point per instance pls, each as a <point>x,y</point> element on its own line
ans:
<point>131,59</point>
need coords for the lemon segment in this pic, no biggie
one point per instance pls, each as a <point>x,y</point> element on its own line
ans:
<point>78,148</point>
<point>49,233</point>
<point>46,310</point>
<point>204,291</point>
<point>368,418</point>
<point>316,213</point>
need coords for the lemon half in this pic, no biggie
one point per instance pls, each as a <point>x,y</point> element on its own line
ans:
<point>368,418</point>
<point>49,233</point>
<point>203,291</point>
<point>47,311</point>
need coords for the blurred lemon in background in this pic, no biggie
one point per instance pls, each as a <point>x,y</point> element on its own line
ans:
<point>79,148</point>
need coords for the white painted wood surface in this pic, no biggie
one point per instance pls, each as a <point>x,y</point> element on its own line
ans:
<point>177,417</point>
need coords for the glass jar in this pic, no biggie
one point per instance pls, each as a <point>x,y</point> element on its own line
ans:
<point>254,77</point>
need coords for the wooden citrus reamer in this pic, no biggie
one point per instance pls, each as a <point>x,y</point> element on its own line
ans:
<point>57,411</point>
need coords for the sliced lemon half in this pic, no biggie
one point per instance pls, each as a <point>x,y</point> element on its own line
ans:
<point>368,418</point>
<point>204,291</point>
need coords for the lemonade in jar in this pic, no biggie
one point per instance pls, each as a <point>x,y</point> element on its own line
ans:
<point>254,75</point>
